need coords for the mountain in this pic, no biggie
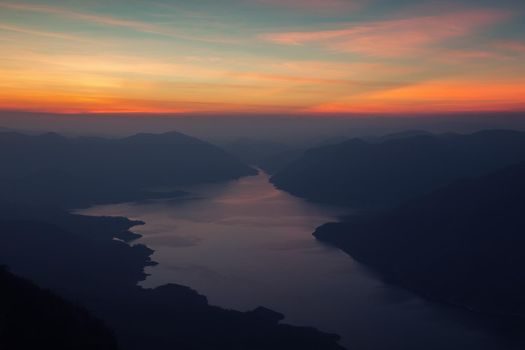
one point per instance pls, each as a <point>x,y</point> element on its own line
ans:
<point>36,318</point>
<point>53,169</point>
<point>462,244</point>
<point>364,174</point>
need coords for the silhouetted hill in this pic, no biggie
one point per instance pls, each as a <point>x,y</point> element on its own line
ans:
<point>76,257</point>
<point>463,243</point>
<point>173,316</point>
<point>92,227</point>
<point>69,262</point>
<point>33,318</point>
<point>50,168</point>
<point>380,174</point>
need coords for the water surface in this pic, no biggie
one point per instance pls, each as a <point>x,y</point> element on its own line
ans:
<point>245,244</point>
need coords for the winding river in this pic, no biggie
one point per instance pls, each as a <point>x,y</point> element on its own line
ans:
<point>246,243</point>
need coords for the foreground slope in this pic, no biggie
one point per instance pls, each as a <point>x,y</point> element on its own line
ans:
<point>463,243</point>
<point>35,318</point>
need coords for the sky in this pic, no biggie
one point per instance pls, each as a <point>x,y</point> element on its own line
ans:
<point>262,56</point>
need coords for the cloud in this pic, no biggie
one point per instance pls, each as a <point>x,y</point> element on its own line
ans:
<point>290,78</point>
<point>455,56</point>
<point>433,96</point>
<point>23,30</point>
<point>106,20</point>
<point>110,21</point>
<point>512,45</point>
<point>316,6</point>
<point>393,37</point>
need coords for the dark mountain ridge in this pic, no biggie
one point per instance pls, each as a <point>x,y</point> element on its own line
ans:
<point>369,175</point>
<point>463,243</point>
<point>73,172</point>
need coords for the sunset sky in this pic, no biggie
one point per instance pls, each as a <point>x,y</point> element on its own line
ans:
<point>262,56</point>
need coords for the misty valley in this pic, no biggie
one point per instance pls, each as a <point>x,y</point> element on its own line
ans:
<point>164,241</point>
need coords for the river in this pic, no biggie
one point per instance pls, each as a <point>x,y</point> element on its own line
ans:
<point>246,243</point>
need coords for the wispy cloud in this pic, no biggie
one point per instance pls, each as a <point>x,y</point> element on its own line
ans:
<point>106,20</point>
<point>23,30</point>
<point>316,6</point>
<point>290,78</point>
<point>455,56</point>
<point>512,45</point>
<point>433,96</point>
<point>393,37</point>
<point>110,21</point>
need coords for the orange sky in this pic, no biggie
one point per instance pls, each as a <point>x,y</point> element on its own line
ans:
<point>262,56</point>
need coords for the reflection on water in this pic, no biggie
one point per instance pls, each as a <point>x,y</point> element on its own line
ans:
<point>245,244</point>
